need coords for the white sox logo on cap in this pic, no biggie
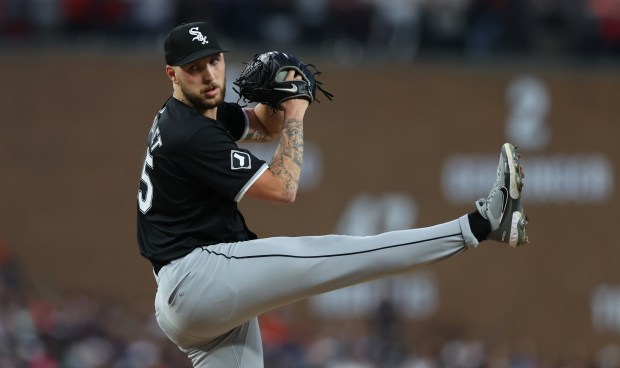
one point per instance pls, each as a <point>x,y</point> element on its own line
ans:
<point>199,36</point>
<point>240,160</point>
<point>181,48</point>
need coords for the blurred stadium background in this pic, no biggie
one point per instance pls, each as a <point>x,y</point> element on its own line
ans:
<point>426,92</point>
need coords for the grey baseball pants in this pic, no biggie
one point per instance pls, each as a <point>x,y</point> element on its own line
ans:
<point>207,302</point>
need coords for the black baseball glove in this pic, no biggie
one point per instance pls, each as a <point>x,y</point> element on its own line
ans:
<point>262,80</point>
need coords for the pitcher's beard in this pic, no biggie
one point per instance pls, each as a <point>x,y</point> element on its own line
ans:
<point>198,100</point>
<point>201,104</point>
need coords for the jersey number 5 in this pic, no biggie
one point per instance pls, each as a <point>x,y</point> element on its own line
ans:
<point>145,198</point>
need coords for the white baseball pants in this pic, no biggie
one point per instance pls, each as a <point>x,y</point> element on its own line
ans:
<point>207,301</point>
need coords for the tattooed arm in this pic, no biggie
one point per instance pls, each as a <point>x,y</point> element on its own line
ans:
<point>281,181</point>
<point>265,125</point>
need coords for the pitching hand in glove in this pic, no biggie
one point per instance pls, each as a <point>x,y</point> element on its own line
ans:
<point>263,80</point>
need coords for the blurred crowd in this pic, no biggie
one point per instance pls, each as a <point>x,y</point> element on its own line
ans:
<point>81,330</point>
<point>47,329</point>
<point>351,30</point>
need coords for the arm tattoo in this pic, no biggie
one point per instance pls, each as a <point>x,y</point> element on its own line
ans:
<point>288,158</point>
<point>256,135</point>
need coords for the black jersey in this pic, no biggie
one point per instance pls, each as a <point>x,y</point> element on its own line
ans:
<point>193,176</point>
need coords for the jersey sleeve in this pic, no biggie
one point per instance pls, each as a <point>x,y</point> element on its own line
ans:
<point>216,160</point>
<point>233,118</point>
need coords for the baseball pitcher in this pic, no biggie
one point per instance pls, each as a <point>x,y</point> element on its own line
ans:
<point>214,276</point>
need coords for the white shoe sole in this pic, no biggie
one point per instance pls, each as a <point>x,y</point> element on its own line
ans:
<point>512,167</point>
<point>514,229</point>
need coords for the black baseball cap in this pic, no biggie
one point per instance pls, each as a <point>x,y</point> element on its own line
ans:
<point>189,42</point>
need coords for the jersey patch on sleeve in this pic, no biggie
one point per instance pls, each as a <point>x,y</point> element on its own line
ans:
<point>240,160</point>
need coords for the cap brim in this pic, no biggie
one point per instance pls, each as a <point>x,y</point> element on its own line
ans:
<point>199,55</point>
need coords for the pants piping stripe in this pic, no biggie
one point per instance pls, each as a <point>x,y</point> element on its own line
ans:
<point>328,255</point>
